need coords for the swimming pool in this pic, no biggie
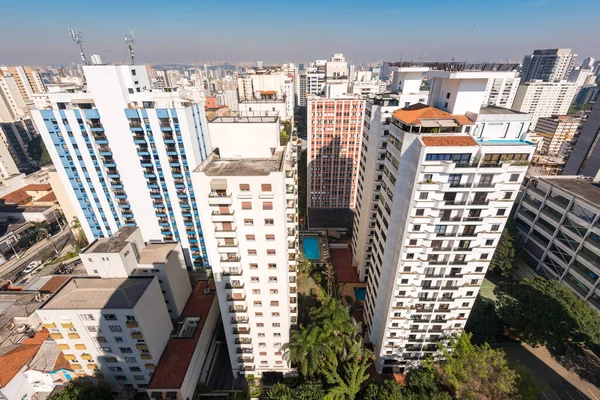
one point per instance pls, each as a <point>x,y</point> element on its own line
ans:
<point>310,246</point>
<point>360,293</point>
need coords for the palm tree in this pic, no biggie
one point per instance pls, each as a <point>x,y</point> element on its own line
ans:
<point>347,377</point>
<point>311,347</point>
<point>333,317</point>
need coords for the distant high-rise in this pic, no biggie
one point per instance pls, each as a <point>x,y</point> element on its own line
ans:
<point>585,157</point>
<point>544,99</point>
<point>548,65</point>
<point>95,59</point>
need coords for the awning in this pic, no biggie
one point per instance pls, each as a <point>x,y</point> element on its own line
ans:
<point>218,184</point>
<point>446,123</point>
<point>82,101</point>
<point>429,123</point>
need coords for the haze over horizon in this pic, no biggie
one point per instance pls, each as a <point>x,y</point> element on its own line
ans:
<point>274,32</point>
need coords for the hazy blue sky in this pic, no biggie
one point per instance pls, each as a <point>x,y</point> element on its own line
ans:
<point>36,32</point>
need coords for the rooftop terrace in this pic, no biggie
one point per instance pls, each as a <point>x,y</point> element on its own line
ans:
<point>582,188</point>
<point>216,166</point>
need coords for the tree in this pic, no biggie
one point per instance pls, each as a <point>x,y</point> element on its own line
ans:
<point>280,391</point>
<point>389,390</point>
<point>304,265</point>
<point>333,316</point>
<point>347,376</point>
<point>484,323</point>
<point>37,151</point>
<point>79,390</point>
<point>504,257</point>
<point>42,230</point>
<point>423,383</point>
<point>78,234</point>
<point>306,391</point>
<point>477,372</point>
<point>310,347</point>
<point>546,312</point>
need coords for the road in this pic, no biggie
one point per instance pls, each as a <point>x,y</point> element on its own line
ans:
<point>11,269</point>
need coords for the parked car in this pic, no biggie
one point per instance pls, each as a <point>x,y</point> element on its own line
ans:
<point>32,265</point>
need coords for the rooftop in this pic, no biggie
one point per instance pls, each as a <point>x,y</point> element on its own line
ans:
<point>50,197</point>
<point>243,167</point>
<point>37,187</point>
<point>448,141</point>
<point>156,253</point>
<point>583,188</point>
<point>113,244</point>
<point>99,293</point>
<point>12,362</point>
<point>16,197</point>
<point>422,114</point>
<point>49,358</point>
<point>177,356</point>
<point>498,110</point>
<point>245,119</point>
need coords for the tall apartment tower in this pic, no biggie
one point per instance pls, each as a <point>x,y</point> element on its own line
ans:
<point>334,132</point>
<point>585,157</point>
<point>126,255</point>
<point>250,222</point>
<point>501,91</point>
<point>14,138</point>
<point>548,65</point>
<point>27,79</point>
<point>125,153</point>
<point>441,208</point>
<point>12,104</point>
<point>544,99</point>
<point>113,330</point>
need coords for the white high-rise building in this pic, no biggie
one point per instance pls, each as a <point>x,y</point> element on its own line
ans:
<point>501,91</point>
<point>95,59</point>
<point>544,99</point>
<point>443,201</point>
<point>113,330</point>
<point>126,255</point>
<point>549,65</point>
<point>27,79</point>
<point>250,222</point>
<point>12,103</point>
<point>336,67</point>
<point>125,155</point>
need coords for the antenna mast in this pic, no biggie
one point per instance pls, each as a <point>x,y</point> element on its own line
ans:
<point>470,42</point>
<point>77,37</point>
<point>129,40</point>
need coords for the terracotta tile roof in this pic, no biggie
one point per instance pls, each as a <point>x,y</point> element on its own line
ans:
<point>448,141</point>
<point>54,284</point>
<point>37,187</point>
<point>16,197</point>
<point>412,115</point>
<point>267,92</point>
<point>61,362</point>
<point>12,362</point>
<point>176,359</point>
<point>48,197</point>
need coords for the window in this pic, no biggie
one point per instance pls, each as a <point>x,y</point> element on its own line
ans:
<point>273,291</point>
<point>246,205</point>
<point>410,256</point>
<point>446,105</point>
<point>244,187</point>
<point>106,349</point>
<point>116,369</point>
<point>120,339</point>
<point>276,325</point>
<point>428,177</point>
<point>489,242</point>
<point>258,314</point>
<point>270,237</point>
<point>420,212</point>
<point>253,266</point>
<point>508,195</point>
<point>495,228</point>
<point>423,195</point>
<point>470,293</point>
<point>260,324</point>
<point>139,377</point>
<point>484,256</point>
<point>272,279</point>
<point>261,334</point>
<point>274,303</point>
<point>130,360</point>
<point>514,178</point>
<point>249,222</point>
<point>255,279</point>
<point>269,222</point>
<point>257,303</point>
<point>135,369</point>
<point>266,187</point>
<point>447,95</point>
<point>87,317</point>
<point>412,242</point>
<point>416,228</point>
<point>93,328</point>
<point>110,359</point>
<point>474,281</point>
<point>252,252</point>
<point>133,72</point>
<point>272,266</point>
<point>250,238</point>
<point>267,205</point>
<point>271,252</point>
<point>100,339</point>
<point>263,353</point>
<point>110,317</point>
<point>115,328</point>
<point>126,350</point>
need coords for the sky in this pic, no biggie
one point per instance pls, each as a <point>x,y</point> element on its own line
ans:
<point>35,32</point>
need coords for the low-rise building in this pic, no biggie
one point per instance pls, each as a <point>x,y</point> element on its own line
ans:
<point>558,221</point>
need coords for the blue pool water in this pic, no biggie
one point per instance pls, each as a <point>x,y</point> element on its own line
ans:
<point>360,293</point>
<point>506,142</point>
<point>311,248</point>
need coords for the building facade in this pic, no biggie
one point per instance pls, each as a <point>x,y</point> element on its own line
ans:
<point>15,137</point>
<point>442,206</point>
<point>501,91</point>
<point>113,330</point>
<point>549,65</point>
<point>334,133</point>
<point>544,99</point>
<point>557,222</point>
<point>555,134</point>
<point>585,157</point>
<point>94,139</point>
<point>250,186</point>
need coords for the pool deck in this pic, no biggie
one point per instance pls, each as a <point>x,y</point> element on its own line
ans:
<point>342,264</point>
<point>323,247</point>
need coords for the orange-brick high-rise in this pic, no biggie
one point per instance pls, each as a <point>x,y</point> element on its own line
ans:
<point>334,134</point>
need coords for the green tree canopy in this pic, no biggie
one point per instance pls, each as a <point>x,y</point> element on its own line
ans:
<point>306,391</point>
<point>37,151</point>
<point>504,258</point>
<point>389,390</point>
<point>78,390</point>
<point>484,323</point>
<point>546,312</point>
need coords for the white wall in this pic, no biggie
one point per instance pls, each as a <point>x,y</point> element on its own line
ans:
<point>244,140</point>
<point>18,388</point>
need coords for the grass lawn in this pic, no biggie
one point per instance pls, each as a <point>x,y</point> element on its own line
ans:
<point>487,290</point>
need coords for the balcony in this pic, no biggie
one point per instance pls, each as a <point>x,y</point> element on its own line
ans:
<point>227,247</point>
<point>479,202</point>
<point>220,216</point>
<point>437,262</point>
<point>243,340</point>
<point>232,271</point>
<point>234,285</point>
<point>240,320</point>
<point>441,248</point>
<point>237,309</point>
<point>218,199</point>
<point>238,298</point>
<point>241,331</point>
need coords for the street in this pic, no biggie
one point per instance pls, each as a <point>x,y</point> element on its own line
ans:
<point>11,269</point>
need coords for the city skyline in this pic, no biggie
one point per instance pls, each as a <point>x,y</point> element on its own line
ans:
<point>505,31</point>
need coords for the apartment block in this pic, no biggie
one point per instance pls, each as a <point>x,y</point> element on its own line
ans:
<point>585,157</point>
<point>444,199</point>
<point>544,99</point>
<point>548,65</point>
<point>554,134</point>
<point>14,139</point>
<point>501,91</point>
<point>124,154</point>
<point>109,329</point>
<point>334,132</point>
<point>126,255</point>
<point>249,183</point>
<point>12,104</point>
<point>27,79</point>
<point>559,227</point>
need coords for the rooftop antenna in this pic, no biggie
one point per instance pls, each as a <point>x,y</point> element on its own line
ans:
<point>470,42</point>
<point>77,37</point>
<point>129,40</point>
